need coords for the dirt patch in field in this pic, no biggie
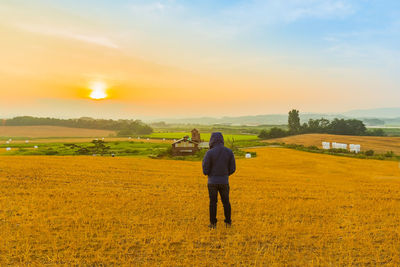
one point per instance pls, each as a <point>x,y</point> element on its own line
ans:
<point>50,131</point>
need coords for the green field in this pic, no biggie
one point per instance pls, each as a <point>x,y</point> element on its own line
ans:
<point>392,131</point>
<point>204,136</point>
<point>124,148</point>
<point>118,148</point>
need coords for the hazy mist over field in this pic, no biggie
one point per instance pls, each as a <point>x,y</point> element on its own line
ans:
<point>124,122</point>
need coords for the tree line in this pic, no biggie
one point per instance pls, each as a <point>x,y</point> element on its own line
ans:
<point>124,127</point>
<point>336,126</point>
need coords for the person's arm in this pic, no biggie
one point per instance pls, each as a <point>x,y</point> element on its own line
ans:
<point>232,164</point>
<point>206,164</point>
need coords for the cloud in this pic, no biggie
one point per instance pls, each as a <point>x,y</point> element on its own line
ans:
<point>234,18</point>
<point>370,46</point>
<point>149,7</point>
<point>377,57</point>
<point>317,9</point>
<point>64,33</point>
<point>270,12</point>
<point>146,7</point>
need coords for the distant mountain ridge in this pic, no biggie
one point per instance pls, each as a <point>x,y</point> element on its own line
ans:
<point>389,113</point>
<point>271,119</point>
<point>387,116</point>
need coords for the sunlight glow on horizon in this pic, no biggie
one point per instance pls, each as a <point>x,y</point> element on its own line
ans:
<point>190,58</point>
<point>98,90</point>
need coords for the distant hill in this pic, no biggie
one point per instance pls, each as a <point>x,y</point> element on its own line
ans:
<point>395,121</point>
<point>372,117</point>
<point>51,131</point>
<point>270,119</point>
<point>124,126</point>
<point>389,113</point>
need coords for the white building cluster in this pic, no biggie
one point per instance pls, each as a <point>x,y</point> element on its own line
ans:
<point>353,148</point>
<point>339,145</point>
<point>326,145</point>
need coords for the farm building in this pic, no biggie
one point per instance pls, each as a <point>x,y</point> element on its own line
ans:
<point>196,136</point>
<point>187,146</point>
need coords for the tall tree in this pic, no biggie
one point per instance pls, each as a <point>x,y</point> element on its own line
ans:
<point>294,121</point>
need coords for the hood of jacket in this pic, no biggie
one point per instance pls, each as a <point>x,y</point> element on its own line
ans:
<point>216,139</point>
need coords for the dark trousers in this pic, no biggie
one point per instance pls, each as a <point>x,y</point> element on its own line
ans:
<point>223,190</point>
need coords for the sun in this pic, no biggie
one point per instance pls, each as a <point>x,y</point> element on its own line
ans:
<point>98,90</point>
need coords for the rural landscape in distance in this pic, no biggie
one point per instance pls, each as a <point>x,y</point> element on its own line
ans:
<point>200,133</point>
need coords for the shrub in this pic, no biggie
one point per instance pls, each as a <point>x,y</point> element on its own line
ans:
<point>50,151</point>
<point>131,151</point>
<point>389,154</point>
<point>277,132</point>
<point>338,150</point>
<point>71,145</point>
<point>201,153</point>
<point>164,153</point>
<point>83,151</point>
<point>239,153</point>
<point>263,134</point>
<point>376,132</point>
<point>381,157</point>
<point>295,146</point>
<point>274,132</point>
<point>230,143</point>
<point>369,153</point>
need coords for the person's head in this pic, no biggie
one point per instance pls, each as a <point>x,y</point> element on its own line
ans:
<point>216,139</point>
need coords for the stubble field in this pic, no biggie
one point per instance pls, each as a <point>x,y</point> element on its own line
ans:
<point>289,208</point>
<point>381,144</point>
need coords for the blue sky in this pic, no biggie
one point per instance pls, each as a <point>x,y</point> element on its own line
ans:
<point>351,30</point>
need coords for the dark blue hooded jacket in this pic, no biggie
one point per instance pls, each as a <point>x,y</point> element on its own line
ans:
<point>219,161</point>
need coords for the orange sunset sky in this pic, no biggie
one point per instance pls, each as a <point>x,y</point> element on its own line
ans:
<point>182,59</point>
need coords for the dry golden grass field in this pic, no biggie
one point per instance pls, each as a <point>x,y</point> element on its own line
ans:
<point>379,144</point>
<point>50,131</point>
<point>288,208</point>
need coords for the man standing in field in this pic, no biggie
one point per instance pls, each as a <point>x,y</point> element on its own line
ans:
<point>218,165</point>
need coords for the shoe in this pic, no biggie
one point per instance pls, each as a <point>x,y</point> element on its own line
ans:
<point>212,225</point>
<point>228,225</point>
